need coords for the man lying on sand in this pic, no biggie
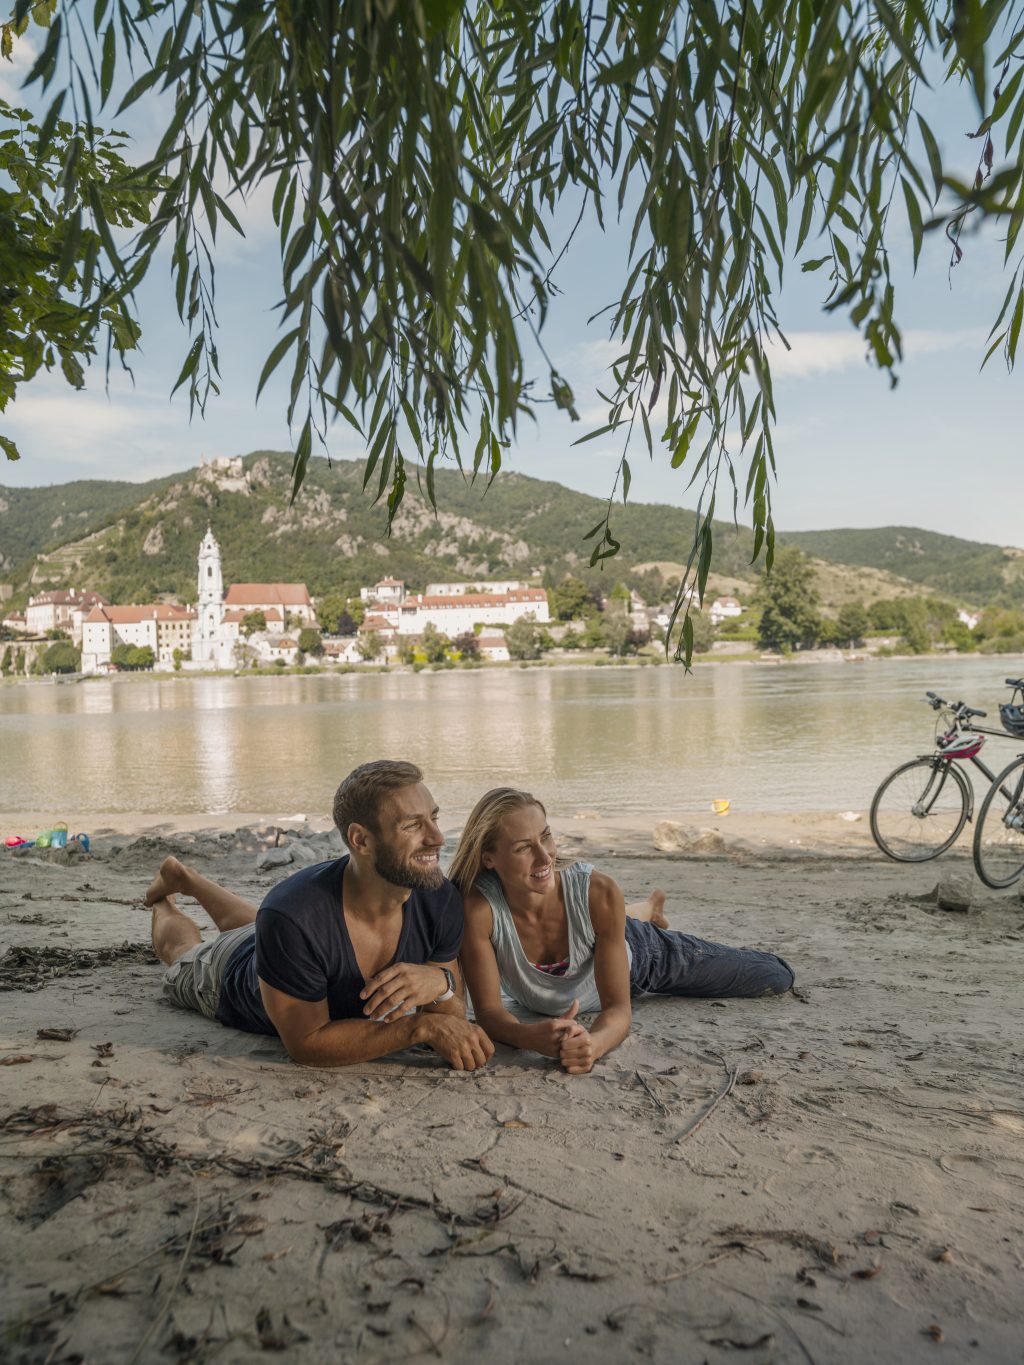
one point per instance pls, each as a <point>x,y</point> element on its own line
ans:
<point>337,988</point>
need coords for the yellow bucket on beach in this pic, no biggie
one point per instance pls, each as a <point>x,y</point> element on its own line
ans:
<point>721,805</point>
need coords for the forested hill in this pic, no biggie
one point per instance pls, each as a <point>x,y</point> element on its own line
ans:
<point>955,568</point>
<point>135,541</point>
<point>34,519</point>
<point>332,537</point>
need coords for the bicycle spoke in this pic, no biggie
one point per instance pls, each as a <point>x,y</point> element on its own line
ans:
<point>919,810</point>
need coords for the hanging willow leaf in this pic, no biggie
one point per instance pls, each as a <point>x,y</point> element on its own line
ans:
<point>421,156</point>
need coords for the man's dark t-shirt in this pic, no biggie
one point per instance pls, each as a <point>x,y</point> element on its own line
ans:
<point>302,947</point>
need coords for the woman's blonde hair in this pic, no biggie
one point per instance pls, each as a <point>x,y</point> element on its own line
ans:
<point>481,832</point>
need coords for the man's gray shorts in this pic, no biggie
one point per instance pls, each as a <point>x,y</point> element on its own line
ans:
<point>194,981</point>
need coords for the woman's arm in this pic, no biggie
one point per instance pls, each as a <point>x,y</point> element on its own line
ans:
<point>611,976</point>
<point>480,968</point>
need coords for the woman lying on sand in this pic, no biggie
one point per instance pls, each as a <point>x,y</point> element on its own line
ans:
<point>557,941</point>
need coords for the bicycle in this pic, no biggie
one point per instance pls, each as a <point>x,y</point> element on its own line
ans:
<point>999,833</point>
<point>920,809</point>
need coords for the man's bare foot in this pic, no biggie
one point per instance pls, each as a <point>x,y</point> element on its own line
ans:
<point>656,900</point>
<point>170,880</point>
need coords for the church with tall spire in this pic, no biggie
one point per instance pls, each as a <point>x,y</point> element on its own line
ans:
<point>219,632</point>
<point>207,637</point>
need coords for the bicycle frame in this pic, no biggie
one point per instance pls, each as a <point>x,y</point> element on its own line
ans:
<point>940,760</point>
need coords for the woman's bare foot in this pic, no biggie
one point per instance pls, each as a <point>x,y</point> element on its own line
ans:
<point>656,900</point>
<point>170,880</point>
<point>652,910</point>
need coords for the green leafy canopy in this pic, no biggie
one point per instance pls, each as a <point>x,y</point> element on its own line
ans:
<point>59,292</point>
<point>422,151</point>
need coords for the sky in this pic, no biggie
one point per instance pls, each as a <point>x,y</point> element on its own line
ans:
<point>941,451</point>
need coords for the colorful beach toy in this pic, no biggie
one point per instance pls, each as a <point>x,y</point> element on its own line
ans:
<point>57,837</point>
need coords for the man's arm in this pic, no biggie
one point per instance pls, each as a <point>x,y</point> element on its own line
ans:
<point>313,1038</point>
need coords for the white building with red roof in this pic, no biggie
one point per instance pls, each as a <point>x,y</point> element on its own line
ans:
<point>387,591</point>
<point>234,621</point>
<point>724,608</point>
<point>478,585</point>
<point>164,627</point>
<point>453,614</point>
<point>291,599</point>
<point>493,648</point>
<point>60,610</point>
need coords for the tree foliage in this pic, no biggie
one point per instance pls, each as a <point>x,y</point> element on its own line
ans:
<point>132,657</point>
<point>434,644</point>
<point>61,657</point>
<point>522,638</point>
<point>788,602</point>
<point>63,189</point>
<point>572,599</point>
<point>704,632</point>
<point>620,634</point>
<point>1001,632</point>
<point>370,646</point>
<point>426,160</point>
<point>467,645</point>
<point>852,623</point>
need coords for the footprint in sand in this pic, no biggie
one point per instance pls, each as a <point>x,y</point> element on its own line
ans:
<point>822,1154</point>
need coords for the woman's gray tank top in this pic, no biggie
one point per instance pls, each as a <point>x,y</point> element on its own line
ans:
<point>525,989</point>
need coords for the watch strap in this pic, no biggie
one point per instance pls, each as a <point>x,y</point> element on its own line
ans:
<point>450,992</point>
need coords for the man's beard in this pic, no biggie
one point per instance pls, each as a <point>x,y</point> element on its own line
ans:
<point>387,864</point>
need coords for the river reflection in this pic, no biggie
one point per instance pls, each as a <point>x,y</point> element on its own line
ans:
<point>801,737</point>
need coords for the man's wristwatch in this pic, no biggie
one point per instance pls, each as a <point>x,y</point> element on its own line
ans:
<point>449,993</point>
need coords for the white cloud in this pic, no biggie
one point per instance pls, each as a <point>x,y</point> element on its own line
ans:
<point>85,434</point>
<point>14,71</point>
<point>811,353</point>
<point>74,421</point>
<point>821,352</point>
<point>137,433</point>
<point>593,355</point>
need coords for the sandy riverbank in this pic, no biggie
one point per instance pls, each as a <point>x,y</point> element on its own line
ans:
<point>176,1191</point>
<point>813,832</point>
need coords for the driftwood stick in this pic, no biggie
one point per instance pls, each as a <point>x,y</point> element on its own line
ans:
<point>656,1098</point>
<point>731,1073</point>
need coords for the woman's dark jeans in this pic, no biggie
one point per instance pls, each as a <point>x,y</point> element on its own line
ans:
<point>666,962</point>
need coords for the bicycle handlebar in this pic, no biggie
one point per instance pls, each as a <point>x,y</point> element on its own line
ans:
<point>960,710</point>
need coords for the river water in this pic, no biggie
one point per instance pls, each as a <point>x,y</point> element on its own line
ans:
<point>636,740</point>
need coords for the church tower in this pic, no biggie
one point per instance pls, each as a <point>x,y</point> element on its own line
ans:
<point>210,604</point>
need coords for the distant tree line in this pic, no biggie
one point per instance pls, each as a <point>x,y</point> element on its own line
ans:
<point>790,618</point>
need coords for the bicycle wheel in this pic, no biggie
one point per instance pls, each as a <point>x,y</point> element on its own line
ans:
<point>999,836</point>
<point>919,809</point>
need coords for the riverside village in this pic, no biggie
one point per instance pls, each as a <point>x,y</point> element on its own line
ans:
<point>268,623</point>
<point>239,625</point>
